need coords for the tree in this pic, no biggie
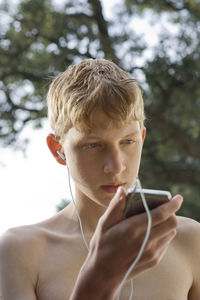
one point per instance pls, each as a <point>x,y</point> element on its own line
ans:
<point>40,39</point>
<point>38,43</point>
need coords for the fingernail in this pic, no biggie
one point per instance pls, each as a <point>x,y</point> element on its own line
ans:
<point>119,190</point>
<point>179,200</point>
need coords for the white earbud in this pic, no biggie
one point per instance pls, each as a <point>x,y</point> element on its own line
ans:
<point>61,155</point>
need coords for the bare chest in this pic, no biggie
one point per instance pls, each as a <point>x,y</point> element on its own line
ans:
<point>59,268</point>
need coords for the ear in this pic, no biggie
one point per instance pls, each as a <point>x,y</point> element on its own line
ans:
<point>55,146</point>
<point>143,134</point>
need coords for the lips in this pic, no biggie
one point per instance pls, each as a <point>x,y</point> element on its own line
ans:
<point>111,188</point>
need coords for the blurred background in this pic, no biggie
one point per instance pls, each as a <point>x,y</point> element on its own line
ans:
<point>157,42</point>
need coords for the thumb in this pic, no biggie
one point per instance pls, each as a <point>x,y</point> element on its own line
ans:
<point>115,211</point>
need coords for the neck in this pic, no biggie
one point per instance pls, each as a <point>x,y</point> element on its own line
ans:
<point>88,211</point>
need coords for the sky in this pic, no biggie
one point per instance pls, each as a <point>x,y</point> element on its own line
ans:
<point>33,185</point>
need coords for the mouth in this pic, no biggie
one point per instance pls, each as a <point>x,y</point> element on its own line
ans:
<point>111,188</point>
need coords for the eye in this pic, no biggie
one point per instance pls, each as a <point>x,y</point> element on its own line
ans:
<point>128,141</point>
<point>93,145</point>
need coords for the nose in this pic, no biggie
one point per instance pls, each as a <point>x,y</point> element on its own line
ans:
<point>114,162</point>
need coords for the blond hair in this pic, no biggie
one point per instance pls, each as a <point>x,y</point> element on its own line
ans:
<point>78,95</point>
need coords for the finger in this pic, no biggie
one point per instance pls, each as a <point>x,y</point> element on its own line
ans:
<point>162,245</point>
<point>153,254</point>
<point>164,211</point>
<point>114,212</point>
<point>159,215</point>
<point>164,228</point>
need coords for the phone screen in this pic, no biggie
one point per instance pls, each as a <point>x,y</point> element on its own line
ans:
<point>153,198</point>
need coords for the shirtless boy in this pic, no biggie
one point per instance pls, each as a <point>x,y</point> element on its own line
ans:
<point>96,113</point>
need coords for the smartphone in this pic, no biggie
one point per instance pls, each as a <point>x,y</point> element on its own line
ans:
<point>153,198</point>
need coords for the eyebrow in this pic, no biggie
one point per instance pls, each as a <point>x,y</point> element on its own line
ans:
<point>98,137</point>
<point>132,133</point>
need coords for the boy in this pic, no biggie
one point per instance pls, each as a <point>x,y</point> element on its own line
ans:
<point>96,112</point>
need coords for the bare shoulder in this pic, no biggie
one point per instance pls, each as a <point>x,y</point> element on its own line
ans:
<point>26,240</point>
<point>188,226</point>
<point>22,238</point>
<point>188,235</point>
<point>188,241</point>
<point>19,260</point>
<point>32,239</point>
<point>19,246</point>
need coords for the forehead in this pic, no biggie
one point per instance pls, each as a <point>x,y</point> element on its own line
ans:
<point>112,132</point>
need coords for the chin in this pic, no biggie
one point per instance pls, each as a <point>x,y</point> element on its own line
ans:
<point>103,201</point>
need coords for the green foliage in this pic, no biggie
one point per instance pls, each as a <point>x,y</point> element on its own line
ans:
<point>39,39</point>
<point>62,204</point>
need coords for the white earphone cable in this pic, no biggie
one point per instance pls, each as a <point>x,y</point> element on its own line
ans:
<point>131,294</point>
<point>77,213</point>
<point>143,243</point>
<point>148,231</point>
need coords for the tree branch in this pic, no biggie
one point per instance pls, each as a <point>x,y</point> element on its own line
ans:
<point>14,106</point>
<point>105,39</point>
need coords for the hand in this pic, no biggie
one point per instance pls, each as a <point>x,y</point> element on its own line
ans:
<point>115,245</point>
<point>116,241</point>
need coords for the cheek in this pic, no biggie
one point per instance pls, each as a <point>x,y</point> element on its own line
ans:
<point>83,169</point>
<point>133,163</point>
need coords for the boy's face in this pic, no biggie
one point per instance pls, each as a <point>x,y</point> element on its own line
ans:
<point>101,160</point>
